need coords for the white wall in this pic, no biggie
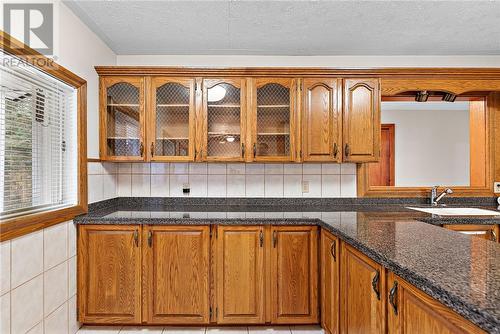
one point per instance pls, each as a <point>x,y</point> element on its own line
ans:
<point>79,50</point>
<point>431,142</point>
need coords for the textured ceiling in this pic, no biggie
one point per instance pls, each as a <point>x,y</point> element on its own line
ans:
<point>295,27</point>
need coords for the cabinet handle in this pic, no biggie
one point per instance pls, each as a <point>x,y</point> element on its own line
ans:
<point>141,149</point>
<point>136,238</point>
<point>275,239</point>
<point>261,239</point>
<point>152,149</point>
<point>150,238</point>
<point>332,250</point>
<point>254,149</point>
<point>347,150</point>
<point>493,235</point>
<point>375,282</point>
<point>392,297</point>
<point>242,150</point>
<point>335,150</point>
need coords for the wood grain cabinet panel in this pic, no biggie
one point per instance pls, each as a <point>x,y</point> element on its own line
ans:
<point>223,120</point>
<point>176,274</point>
<point>294,274</point>
<point>122,125</point>
<point>412,311</point>
<point>330,285</point>
<point>362,293</point>
<point>240,275</point>
<point>109,274</point>
<point>272,119</point>
<point>321,120</point>
<point>361,130</point>
<point>171,119</point>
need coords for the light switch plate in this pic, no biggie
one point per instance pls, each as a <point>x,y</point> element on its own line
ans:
<point>496,187</point>
<point>305,186</point>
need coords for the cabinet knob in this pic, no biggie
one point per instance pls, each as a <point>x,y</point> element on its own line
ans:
<point>152,149</point>
<point>141,149</point>
<point>493,235</point>
<point>136,238</point>
<point>254,149</point>
<point>347,150</point>
<point>335,150</point>
<point>242,150</point>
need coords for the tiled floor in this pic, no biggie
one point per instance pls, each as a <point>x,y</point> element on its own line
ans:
<point>202,330</point>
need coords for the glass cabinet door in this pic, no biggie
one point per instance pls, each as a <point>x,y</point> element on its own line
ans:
<point>224,119</point>
<point>274,121</point>
<point>122,108</point>
<point>172,119</point>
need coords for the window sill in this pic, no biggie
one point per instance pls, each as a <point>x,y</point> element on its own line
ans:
<point>18,226</point>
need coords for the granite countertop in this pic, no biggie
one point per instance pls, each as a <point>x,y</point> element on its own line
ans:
<point>460,271</point>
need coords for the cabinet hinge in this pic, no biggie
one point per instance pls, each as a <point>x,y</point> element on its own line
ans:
<point>210,312</point>
<point>216,233</point>
<point>211,233</point>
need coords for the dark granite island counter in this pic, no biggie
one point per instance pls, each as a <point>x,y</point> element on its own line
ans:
<point>459,271</point>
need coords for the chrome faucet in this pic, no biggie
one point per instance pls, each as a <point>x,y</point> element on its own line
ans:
<point>434,196</point>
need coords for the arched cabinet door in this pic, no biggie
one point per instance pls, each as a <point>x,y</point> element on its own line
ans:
<point>361,129</point>
<point>322,120</point>
<point>223,120</point>
<point>273,119</point>
<point>122,123</point>
<point>171,119</point>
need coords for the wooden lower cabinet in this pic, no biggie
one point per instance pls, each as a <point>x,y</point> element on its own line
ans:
<point>362,293</point>
<point>488,232</point>
<point>109,274</point>
<point>330,285</point>
<point>412,311</point>
<point>176,274</point>
<point>240,272</point>
<point>294,275</point>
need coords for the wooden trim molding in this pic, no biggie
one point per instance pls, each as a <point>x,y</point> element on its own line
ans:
<point>481,75</point>
<point>18,226</point>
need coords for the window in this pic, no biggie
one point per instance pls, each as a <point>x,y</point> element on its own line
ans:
<point>38,141</point>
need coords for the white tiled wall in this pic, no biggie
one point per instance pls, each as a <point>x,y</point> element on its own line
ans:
<point>38,282</point>
<point>109,180</point>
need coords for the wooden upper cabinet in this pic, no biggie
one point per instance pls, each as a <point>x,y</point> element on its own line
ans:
<point>412,311</point>
<point>294,275</point>
<point>223,120</point>
<point>176,283</point>
<point>361,130</point>
<point>362,293</point>
<point>240,275</point>
<point>330,285</point>
<point>109,274</point>
<point>171,119</point>
<point>322,120</point>
<point>272,119</point>
<point>122,121</point>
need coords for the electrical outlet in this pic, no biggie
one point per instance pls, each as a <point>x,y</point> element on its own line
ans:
<point>496,187</point>
<point>305,186</point>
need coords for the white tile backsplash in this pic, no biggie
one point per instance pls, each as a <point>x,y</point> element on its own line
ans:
<point>158,179</point>
<point>274,185</point>
<point>254,185</point>
<point>42,270</point>
<point>26,257</point>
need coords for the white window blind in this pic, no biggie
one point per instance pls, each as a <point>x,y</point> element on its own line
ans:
<point>38,140</point>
